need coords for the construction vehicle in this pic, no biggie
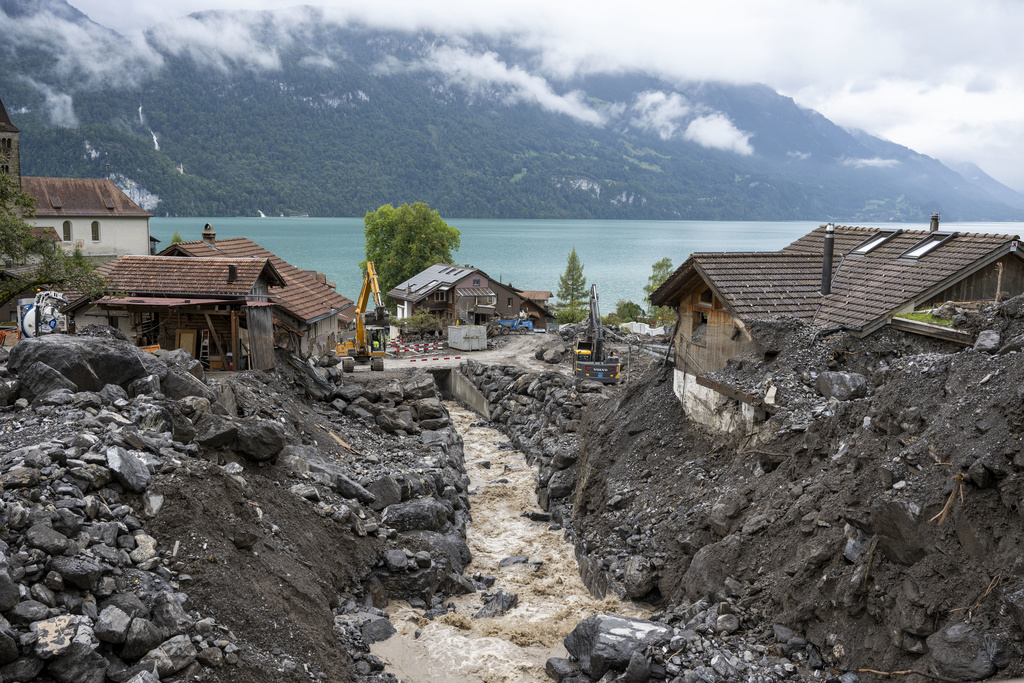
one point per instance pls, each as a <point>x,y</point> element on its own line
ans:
<point>517,325</point>
<point>42,314</point>
<point>371,327</point>
<point>589,360</point>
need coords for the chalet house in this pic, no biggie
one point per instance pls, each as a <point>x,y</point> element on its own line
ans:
<point>848,278</point>
<point>217,309</point>
<point>466,294</point>
<point>309,314</point>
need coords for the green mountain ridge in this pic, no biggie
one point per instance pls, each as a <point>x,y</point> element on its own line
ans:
<point>336,120</point>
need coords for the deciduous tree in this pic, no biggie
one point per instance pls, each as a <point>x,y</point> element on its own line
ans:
<point>54,267</point>
<point>572,292</point>
<point>660,272</point>
<point>406,240</point>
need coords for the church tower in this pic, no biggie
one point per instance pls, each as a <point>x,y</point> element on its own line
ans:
<point>10,157</point>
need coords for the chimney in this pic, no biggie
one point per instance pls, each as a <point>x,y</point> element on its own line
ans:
<point>209,236</point>
<point>232,273</point>
<point>934,227</point>
<point>826,261</point>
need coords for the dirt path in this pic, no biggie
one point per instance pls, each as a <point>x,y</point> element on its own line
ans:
<point>552,599</point>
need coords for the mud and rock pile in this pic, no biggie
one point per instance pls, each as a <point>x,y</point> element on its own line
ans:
<point>159,524</point>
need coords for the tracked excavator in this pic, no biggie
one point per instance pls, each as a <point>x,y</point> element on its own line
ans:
<point>590,361</point>
<point>371,335</point>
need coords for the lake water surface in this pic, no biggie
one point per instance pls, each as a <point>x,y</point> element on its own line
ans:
<point>528,253</point>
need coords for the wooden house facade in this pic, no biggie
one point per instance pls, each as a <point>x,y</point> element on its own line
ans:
<point>869,277</point>
<point>216,309</point>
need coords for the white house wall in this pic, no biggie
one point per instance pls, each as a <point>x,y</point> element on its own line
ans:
<point>710,409</point>
<point>118,235</point>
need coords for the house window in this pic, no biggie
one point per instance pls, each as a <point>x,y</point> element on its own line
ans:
<point>876,240</point>
<point>440,296</point>
<point>706,298</point>
<point>928,244</point>
<point>95,231</point>
<point>509,302</point>
<point>476,282</point>
<point>67,231</point>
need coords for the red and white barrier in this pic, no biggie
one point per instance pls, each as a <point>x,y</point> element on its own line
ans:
<point>424,360</point>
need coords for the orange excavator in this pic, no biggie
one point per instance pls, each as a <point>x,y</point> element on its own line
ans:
<point>371,335</point>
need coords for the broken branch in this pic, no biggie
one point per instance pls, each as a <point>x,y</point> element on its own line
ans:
<point>958,488</point>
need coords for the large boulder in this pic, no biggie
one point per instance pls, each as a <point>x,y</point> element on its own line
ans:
<point>88,362</point>
<point>258,439</point>
<point>959,653</point>
<point>130,471</point>
<point>183,360</point>
<point>606,642</point>
<point>38,379</point>
<point>420,386</point>
<point>842,386</point>
<point>422,513</point>
<point>179,384</point>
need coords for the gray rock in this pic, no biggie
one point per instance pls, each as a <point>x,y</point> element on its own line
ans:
<point>393,420</point>
<point>386,491</point>
<point>638,670</point>
<point>560,668</point>
<point>154,417</point>
<point>216,431</point>
<point>183,360</point>
<point>112,625</point>
<point>9,594</point>
<point>89,363</point>
<point>639,576</point>
<point>421,386</point>
<point>987,341</point>
<point>144,386</point>
<point>129,470</point>
<point>562,484</point>
<point>497,604</point>
<point>81,572</point>
<point>376,629</point>
<point>54,636</point>
<point>900,535</point>
<point>959,653</point>
<point>178,384</point>
<point>112,392</point>
<point>143,636</point>
<point>606,642</point>
<point>396,561</point>
<point>22,669</point>
<point>553,356</point>
<point>422,513</point>
<point>28,611</point>
<point>172,655</point>
<point>260,440</point>
<point>842,386</point>
<point>39,379</point>
<point>49,540</point>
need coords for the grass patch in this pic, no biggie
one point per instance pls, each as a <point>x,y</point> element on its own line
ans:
<point>925,317</point>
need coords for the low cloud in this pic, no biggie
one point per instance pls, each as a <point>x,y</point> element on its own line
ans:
<point>799,156</point>
<point>222,41</point>
<point>59,106</point>
<point>876,162</point>
<point>486,74</point>
<point>656,112</point>
<point>716,131</point>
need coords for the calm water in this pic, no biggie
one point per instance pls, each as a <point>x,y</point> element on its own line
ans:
<point>529,254</point>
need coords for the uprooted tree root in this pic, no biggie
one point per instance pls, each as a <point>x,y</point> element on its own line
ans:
<point>958,489</point>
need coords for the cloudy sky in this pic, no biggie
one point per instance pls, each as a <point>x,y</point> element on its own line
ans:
<point>944,77</point>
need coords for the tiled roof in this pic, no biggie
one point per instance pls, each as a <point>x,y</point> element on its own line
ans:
<point>5,121</point>
<point>80,197</point>
<point>425,282</point>
<point>865,288</point>
<point>535,295</point>
<point>303,297</point>
<point>135,274</point>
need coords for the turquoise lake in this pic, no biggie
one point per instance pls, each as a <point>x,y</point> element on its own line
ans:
<point>529,254</point>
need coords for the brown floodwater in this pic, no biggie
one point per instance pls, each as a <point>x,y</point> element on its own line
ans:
<point>552,599</point>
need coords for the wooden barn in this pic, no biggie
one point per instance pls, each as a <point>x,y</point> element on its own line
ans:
<point>217,309</point>
<point>849,278</point>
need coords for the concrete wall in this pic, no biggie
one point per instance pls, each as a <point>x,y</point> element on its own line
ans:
<point>455,386</point>
<point>710,409</point>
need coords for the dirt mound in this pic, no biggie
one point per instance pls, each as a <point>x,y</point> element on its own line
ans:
<point>877,527</point>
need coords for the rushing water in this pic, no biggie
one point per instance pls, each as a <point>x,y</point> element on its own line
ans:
<point>552,599</point>
<point>530,254</point>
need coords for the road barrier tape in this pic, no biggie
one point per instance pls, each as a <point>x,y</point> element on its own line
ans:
<point>424,360</point>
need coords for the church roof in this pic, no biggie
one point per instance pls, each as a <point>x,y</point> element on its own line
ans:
<point>5,121</point>
<point>80,197</point>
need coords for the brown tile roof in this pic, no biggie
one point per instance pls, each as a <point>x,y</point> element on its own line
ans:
<point>5,121</point>
<point>865,288</point>
<point>141,275</point>
<point>535,295</point>
<point>80,197</point>
<point>303,297</point>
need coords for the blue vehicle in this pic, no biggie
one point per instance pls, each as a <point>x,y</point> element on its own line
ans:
<point>517,325</point>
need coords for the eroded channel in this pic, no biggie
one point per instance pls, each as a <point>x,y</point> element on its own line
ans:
<point>552,598</point>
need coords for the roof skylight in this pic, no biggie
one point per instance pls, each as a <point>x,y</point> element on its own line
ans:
<point>928,244</point>
<point>876,240</point>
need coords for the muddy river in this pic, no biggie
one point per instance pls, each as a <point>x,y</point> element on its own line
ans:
<point>552,598</point>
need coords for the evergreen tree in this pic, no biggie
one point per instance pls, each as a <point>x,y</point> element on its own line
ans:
<point>176,237</point>
<point>660,272</point>
<point>572,291</point>
<point>404,241</point>
<point>54,267</point>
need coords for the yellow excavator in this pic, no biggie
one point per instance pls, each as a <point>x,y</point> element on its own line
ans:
<point>371,334</point>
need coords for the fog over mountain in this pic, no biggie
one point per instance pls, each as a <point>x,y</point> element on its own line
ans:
<point>305,110</point>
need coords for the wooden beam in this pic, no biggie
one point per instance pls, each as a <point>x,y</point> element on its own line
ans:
<point>213,333</point>
<point>235,353</point>
<point>930,330</point>
<point>736,394</point>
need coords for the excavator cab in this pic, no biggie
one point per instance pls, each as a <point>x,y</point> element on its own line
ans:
<point>371,334</point>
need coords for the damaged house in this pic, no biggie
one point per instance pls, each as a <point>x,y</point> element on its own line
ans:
<point>466,294</point>
<point>852,279</point>
<point>309,314</point>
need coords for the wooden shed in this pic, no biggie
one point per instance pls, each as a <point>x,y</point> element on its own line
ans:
<point>217,309</point>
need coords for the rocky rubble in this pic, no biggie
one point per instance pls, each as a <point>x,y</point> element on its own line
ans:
<point>158,524</point>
